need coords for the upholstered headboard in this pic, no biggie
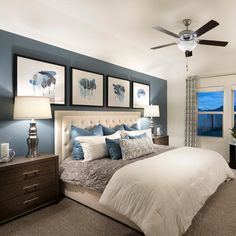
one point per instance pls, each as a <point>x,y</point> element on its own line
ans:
<point>85,119</point>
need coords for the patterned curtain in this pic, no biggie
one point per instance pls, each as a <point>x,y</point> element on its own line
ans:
<point>191,112</point>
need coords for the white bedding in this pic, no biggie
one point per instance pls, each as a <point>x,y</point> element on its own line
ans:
<point>162,194</point>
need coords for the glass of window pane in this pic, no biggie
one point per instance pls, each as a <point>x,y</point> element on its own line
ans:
<point>210,101</point>
<point>210,125</point>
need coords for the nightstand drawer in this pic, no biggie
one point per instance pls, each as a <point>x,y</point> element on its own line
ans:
<point>10,191</point>
<point>19,205</point>
<point>161,140</point>
<point>26,172</point>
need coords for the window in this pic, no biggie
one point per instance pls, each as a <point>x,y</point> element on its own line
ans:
<point>234,92</point>
<point>210,113</point>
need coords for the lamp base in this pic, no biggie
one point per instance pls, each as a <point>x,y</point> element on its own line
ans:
<point>32,141</point>
<point>151,125</point>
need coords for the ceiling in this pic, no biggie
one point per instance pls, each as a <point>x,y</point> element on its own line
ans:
<point>121,31</point>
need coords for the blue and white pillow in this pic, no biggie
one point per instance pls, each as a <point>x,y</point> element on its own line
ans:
<point>77,150</point>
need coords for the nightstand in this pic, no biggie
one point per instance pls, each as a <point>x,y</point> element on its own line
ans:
<point>27,184</point>
<point>232,155</point>
<point>161,139</point>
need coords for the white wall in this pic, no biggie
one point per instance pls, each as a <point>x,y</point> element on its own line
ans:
<point>176,112</point>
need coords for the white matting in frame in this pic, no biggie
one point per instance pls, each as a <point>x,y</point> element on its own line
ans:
<point>141,95</point>
<point>87,88</point>
<point>40,78</point>
<point>118,92</point>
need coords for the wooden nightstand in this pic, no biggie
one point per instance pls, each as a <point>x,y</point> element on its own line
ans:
<point>161,139</point>
<point>27,184</point>
<point>232,156</point>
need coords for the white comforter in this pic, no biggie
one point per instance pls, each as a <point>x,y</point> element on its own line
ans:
<point>162,194</point>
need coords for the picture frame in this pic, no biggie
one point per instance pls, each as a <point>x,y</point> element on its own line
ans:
<point>35,77</point>
<point>87,88</point>
<point>141,94</point>
<point>118,92</point>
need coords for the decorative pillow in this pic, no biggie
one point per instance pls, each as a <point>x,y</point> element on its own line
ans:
<point>113,148</point>
<point>77,131</point>
<point>137,136</point>
<point>148,132</point>
<point>109,131</point>
<point>94,147</point>
<point>77,151</point>
<point>133,127</point>
<point>133,148</point>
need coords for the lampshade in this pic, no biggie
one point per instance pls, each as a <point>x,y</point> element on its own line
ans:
<point>187,45</point>
<point>151,111</point>
<point>32,107</point>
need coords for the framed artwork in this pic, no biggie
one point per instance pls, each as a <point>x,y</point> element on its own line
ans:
<point>141,95</point>
<point>87,88</point>
<point>40,78</point>
<point>118,92</point>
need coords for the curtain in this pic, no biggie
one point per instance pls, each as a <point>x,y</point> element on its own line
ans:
<point>191,112</point>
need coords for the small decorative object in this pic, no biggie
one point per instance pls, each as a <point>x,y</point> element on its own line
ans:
<point>87,88</point>
<point>118,92</point>
<point>27,107</point>
<point>233,133</point>
<point>40,78</point>
<point>151,111</point>
<point>7,154</point>
<point>159,130</point>
<point>140,95</point>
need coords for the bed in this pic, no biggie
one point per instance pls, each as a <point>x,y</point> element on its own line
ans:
<point>84,119</point>
<point>124,192</point>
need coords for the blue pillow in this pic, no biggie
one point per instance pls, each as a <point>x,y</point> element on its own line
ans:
<point>95,131</point>
<point>113,147</point>
<point>131,128</point>
<point>109,131</point>
<point>77,150</point>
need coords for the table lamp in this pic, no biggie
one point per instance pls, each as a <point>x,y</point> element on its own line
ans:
<point>32,107</point>
<point>151,111</point>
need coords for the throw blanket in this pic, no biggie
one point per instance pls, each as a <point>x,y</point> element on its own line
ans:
<point>96,174</point>
<point>162,194</point>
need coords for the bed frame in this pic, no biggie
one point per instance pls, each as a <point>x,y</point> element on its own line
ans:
<point>85,119</point>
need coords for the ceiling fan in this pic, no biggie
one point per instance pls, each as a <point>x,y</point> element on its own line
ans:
<point>188,39</point>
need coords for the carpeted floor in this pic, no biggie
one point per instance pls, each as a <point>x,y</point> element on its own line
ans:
<point>68,218</point>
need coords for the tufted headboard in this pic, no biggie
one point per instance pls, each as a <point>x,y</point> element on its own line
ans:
<point>85,119</point>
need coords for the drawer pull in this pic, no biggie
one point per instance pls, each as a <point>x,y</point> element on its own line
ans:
<point>31,200</point>
<point>33,187</point>
<point>33,172</point>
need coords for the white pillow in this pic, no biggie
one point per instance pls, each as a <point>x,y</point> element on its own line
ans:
<point>138,132</point>
<point>94,147</point>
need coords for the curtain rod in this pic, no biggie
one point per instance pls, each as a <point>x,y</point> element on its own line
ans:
<point>213,76</point>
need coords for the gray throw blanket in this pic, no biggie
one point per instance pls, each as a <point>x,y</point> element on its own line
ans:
<point>96,174</point>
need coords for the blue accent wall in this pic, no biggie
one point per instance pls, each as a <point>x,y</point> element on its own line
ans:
<point>17,131</point>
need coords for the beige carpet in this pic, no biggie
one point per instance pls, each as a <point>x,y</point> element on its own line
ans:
<point>216,218</point>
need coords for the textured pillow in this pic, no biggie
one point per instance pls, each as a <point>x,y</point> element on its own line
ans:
<point>133,148</point>
<point>148,132</point>
<point>109,131</point>
<point>94,147</point>
<point>77,151</point>
<point>131,128</point>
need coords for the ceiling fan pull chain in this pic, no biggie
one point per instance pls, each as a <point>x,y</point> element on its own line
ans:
<point>186,64</point>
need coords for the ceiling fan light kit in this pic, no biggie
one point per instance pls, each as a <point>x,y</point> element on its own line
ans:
<point>188,39</point>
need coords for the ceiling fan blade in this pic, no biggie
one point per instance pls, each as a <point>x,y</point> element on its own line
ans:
<point>162,46</point>
<point>208,26</point>
<point>213,43</point>
<point>166,31</point>
<point>188,53</point>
